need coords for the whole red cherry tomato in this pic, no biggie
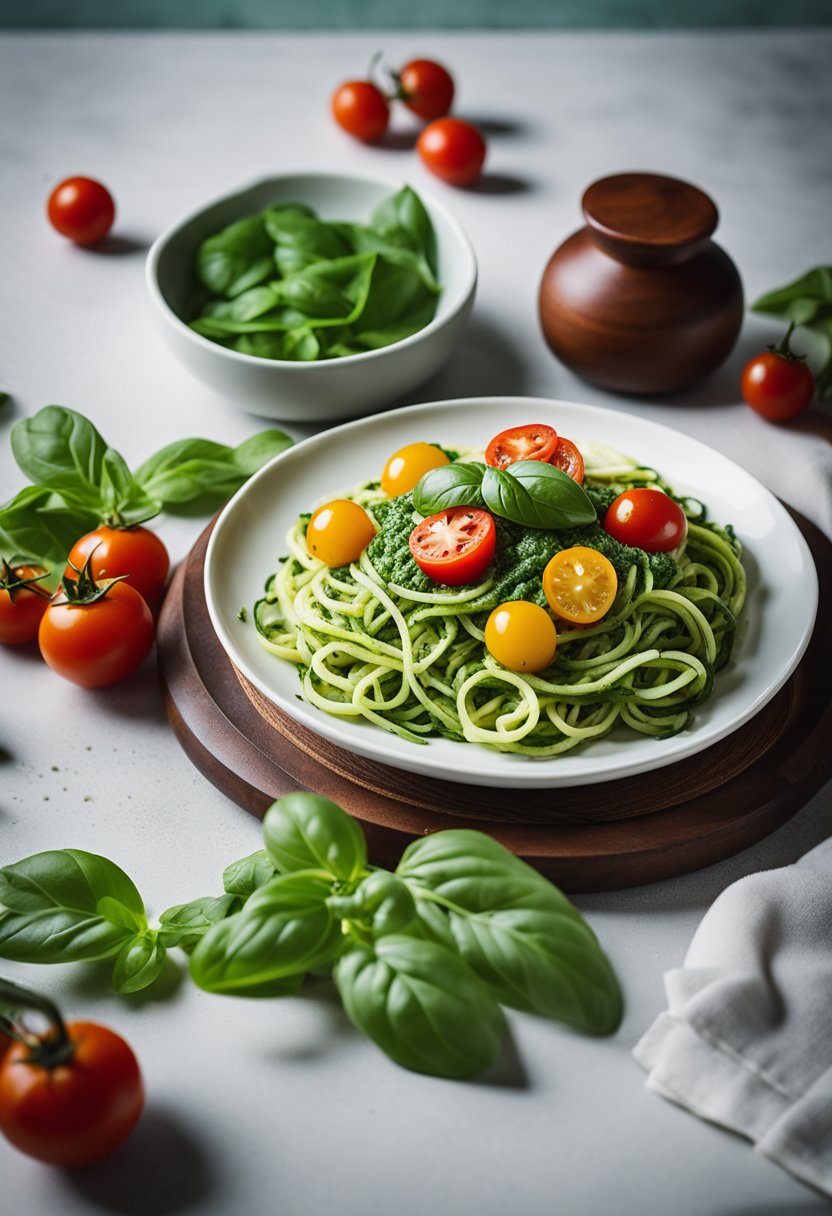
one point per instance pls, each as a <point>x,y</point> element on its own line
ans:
<point>452,149</point>
<point>361,109</point>
<point>22,603</point>
<point>455,546</point>
<point>95,634</point>
<point>77,1109</point>
<point>81,209</point>
<point>777,385</point>
<point>136,552</point>
<point>646,519</point>
<point>426,88</point>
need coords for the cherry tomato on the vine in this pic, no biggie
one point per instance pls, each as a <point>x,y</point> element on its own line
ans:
<point>338,532</point>
<point>646,519</point>
<point>534,441</point>
<point>452,149</point>
<point>136,552</point>
<point>454,546</point>
<point>426,88</point>
<point>521,636</point>
<point>779,387</point>
<point>361,109</point>
<point>100,641</point>
<point>22,603</point>
<point>82,209</point>
<point>75,1112</point>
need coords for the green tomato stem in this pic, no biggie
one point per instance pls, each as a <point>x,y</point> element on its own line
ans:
<point>47,1050</point>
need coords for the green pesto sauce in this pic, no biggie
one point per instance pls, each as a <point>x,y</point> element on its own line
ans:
<point>521,557</point>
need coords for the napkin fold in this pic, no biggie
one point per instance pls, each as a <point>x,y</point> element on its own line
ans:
<point>746,1041</point>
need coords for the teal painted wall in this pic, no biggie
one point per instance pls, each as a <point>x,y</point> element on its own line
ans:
<point>405,14</point>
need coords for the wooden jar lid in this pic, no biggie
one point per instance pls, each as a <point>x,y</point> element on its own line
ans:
<point>648,212</point>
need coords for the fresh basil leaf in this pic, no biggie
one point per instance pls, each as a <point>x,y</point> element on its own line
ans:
<point>243,877</point>
<point>422,1005</point>
<point>184,924</point>
<point>262,345</point>
<point>406,212</point>
<point>395,246</point>
<point>285,928</point>
<point>245,307</point>
<point>61,450</point>
<point>190,468</point>
<point>66,905</point>
<point>536,495</point>
<point>452,485</point>
<point>409,323</point>
<point>329,293</point>
<point>394,292</point>
<point>302,241</point>
<point>139,963</point>
<point>236,259</point>
<point>813,287</point>
<point>515,929</point>
<point>38,524</point>
<point>381,901</point>
<point>307,832</point>
<point>301,345</point>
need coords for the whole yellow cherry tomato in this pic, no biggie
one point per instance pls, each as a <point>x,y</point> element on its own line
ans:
<point>521,636</point>
<point>580,584</point>
<point>338,532</point>
<point>404,469</point>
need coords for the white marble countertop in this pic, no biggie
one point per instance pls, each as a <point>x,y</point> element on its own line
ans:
<point>261,1105</point>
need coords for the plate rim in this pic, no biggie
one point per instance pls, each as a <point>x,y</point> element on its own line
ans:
<point>539,774</point>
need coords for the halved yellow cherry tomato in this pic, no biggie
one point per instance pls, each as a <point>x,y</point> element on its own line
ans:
<point>580,584</point>
<point>338,532</point>
<point>521,636</point>
<point>404,469</point>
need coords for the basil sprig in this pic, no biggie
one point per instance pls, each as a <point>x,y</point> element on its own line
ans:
<point>423,958</point>
<point>80,481</point>
<point>806,302</point>
<point>528,492</point>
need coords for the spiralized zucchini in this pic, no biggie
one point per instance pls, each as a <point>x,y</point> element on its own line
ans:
<point>415,662</point>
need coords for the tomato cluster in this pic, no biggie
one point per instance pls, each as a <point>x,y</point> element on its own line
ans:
<point>451,148</point>
<point>99,627</point>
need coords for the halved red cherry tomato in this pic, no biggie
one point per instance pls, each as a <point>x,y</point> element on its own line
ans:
<point>22,603</point>
<point>534,441</point>
<point>569,460</point>
<point>136,552</point>
<point>76,1111</point>
<point>455,546</point>
<point>82,209</point>
<point>646,519</point>
<point>426,88</point>
<point>361,109</point>
<point>452,149</point>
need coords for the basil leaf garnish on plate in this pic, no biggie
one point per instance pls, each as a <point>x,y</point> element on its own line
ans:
<point>451,485</point>
<point>536,495</point>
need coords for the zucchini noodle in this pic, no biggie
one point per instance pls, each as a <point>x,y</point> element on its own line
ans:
<point>414,662</point>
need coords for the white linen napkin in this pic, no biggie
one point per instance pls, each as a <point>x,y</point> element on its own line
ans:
<point>746,1041</point>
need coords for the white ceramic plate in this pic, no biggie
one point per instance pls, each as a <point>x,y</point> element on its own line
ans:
<point>782,583</point>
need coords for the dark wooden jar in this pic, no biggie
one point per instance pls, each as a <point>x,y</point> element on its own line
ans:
<point>641,300</point>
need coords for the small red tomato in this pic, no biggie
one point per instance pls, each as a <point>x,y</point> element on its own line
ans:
<point>569,460</point>
<point>76,1112</point>
<point>533,441</point>
<point>426,88</point>
<point>646,519</point>
<point>778,387</point>
<point>136,552</point>
<point>96,642</point>
<point>361,109</point>
<point>452,149</point>
<point>22,603</point>
<point>81,209</point>
<point>455,546</point>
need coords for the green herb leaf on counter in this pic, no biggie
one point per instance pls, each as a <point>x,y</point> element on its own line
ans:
<point>183,471</point>
<point>423,958</point>
<point>806,302</point>
<point>38,524</point>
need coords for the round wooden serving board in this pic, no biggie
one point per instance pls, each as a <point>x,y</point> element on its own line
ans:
<point>587,838</point>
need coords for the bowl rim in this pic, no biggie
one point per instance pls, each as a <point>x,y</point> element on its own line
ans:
<point>289,365</point>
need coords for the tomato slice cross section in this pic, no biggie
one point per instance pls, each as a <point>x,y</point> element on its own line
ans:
<point>580,584</point>
<point>534,441</point>
<point>454,546</point>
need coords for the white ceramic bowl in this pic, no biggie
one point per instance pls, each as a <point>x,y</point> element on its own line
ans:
<point>333,388</point>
